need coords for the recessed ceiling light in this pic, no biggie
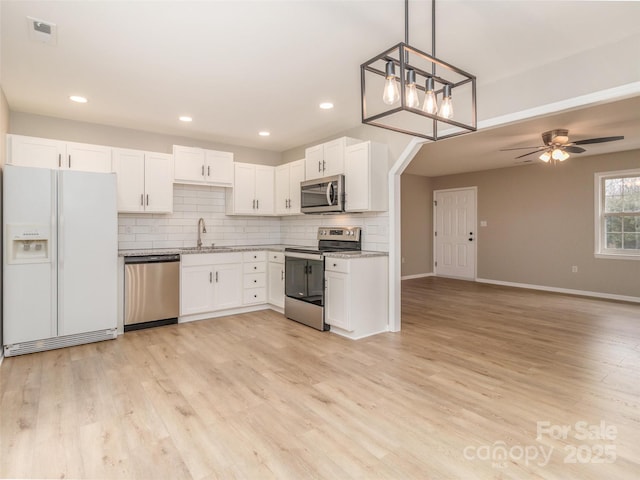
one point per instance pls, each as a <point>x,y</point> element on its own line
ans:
<point>78,99</point>
<point>264,133</point>
<point>326,105</point>
<point>185,118</point>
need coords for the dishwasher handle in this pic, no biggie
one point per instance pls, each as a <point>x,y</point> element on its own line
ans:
<point>152,259</point>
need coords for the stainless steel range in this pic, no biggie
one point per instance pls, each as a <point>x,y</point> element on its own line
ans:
<point>304,274</point>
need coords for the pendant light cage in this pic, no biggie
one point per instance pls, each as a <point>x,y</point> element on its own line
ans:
<point>406,63</point>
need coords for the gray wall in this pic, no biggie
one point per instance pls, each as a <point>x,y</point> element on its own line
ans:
<point>74,131</point>
<point>417,224</point>
<point>540,222</point>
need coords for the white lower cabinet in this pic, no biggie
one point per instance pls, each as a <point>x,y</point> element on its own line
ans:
<point>356,300</point>
<point>210,282</point>
<point>255,278</point>
<point>275,272</point>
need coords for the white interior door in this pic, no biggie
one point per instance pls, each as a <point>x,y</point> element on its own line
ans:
<point>455,233</point>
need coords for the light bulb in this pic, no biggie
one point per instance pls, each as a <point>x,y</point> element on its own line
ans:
<point>559,155</point>
<point>446,108</point>
<point>411,94</point>
<point>391,93</point>
<point>430,103</point>
<point>545,157</point>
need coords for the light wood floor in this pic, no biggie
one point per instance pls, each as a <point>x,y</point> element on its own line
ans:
<point>257,396</point>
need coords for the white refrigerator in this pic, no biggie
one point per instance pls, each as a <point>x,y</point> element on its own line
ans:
<point>60,258</point>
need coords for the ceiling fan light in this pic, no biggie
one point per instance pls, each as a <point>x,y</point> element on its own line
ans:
<point>559,154</point>
<point>545,157</point>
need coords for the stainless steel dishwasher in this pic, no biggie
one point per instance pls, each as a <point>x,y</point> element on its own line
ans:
<point>152,291</point>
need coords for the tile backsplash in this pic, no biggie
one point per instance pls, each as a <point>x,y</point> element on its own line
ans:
<point>190,202</point>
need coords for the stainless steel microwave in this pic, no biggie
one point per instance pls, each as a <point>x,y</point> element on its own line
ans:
<point>322,195</point>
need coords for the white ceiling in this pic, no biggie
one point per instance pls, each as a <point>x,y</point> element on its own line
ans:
<point>481,150</point>
<point>238,67</point>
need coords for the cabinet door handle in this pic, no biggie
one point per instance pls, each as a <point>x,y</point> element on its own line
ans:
<point>255,268</point>
<point>147,199</point>
<point>142,199</point>
<point>281,274</point>
<point>254,204</point>
<point>208,171</point>
<point>319,166</point>
<point>202,171</point>
<point>216,277</point>
<point>255,281</point>
<point>324,165</point>
<point>69,160</point>
<point>210,277</point>
<point>59,160</point>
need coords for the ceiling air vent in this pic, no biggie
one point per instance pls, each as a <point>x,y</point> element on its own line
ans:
<point>41,31</point>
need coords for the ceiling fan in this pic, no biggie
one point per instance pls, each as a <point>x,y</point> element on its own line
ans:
<point>557,146</point>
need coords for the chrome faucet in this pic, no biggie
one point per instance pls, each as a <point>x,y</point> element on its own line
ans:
<point>203,230</point>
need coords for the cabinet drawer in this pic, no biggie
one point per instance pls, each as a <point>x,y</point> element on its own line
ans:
<point>255,267</point>
<point>336,265</point>
<point>255,280</point>
<point>255,295</point>
<point>276,257</point>
<point>254,256</point>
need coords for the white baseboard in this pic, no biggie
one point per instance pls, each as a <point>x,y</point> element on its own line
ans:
<point>419,275</point>
<point>584,293</point>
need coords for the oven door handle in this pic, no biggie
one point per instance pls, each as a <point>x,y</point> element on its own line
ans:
<point>305,256</point>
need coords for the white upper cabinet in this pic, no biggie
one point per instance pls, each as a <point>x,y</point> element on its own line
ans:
<point>327,159</point>
<point>365,176</point>
<point>253,190</point>
<point>287,191</point>
<point>56,154</point>
<point>197,165</point>
<point>88,158</point>
<point>145,181</point>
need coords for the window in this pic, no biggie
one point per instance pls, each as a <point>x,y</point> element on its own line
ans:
<point>618,214</point>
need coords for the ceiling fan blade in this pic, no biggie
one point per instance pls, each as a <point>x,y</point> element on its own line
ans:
<point>530,153</point>
<point>520,148</point>
<point>597,140</point>
<point>572,149</point>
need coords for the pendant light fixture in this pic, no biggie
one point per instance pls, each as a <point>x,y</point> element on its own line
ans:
<point>391,93</point>
<point>395,104</point>
<point>430,101</point>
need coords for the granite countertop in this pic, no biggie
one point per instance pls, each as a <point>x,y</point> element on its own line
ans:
<point>241,248</point>
<point>356,254</point>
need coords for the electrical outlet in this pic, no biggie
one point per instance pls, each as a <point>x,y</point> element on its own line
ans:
<point>574,269</point>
